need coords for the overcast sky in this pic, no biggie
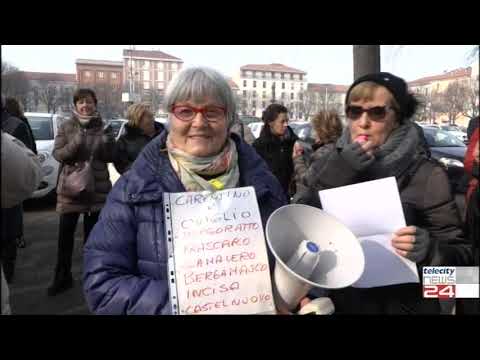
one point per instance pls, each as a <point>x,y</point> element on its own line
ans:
<point>323,63</point>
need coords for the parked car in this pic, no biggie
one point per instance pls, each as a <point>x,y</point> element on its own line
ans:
<point>256,128</point>
<point>449,151</point>
<point>249,119</point>
<point>161,120</point>
<point>456,131</point>
<point>45,127</point>
<point>116,124</point>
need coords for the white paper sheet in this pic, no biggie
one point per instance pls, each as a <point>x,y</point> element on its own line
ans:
<point>373,212</point>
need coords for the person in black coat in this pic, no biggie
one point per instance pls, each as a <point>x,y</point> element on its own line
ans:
<point>381,141</point>
<point>275,144</point>
<point>14,108</point>
<point>139,131</point>
<point>12,218</point>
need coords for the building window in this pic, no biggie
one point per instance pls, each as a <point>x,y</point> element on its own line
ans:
<point>101,75</point>
<point>146,75</point>
<point>160,86</point>
<point>264,104</point>
<point>146,64</point>
<point>291,76</point>
<point>283,95</point>
<point>282,75</point>
<point>300,96</point>
<point>254,84</point>
<point>160,65</point>
<point>146,85</point>
<point>254,74</point>
<point>161,75</point>
<point>114,75</point>
<point>254,104</point>
<point>301,77</point>
<point>264,94</point>
<point>291,96</point>
<point>264,84</point>
<point>244,74</point>
<point>87,74</point>
<point>254,93</point>
<point>263,74</point>
<point>244,83</point>
<point>293,86</point>
<point>244,93</point>
<point>283,85</point>
<point>174,66</point>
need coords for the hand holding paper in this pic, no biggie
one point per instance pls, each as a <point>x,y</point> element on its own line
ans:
<point>411,242</point>
<point>373,212</point>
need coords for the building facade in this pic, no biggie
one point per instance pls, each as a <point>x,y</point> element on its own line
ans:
<point>147,74</point>
<point>447,98</point>
<point>322,97</point>
<point>49,92</point>
<point>261,85</point>
<point>106,79</point>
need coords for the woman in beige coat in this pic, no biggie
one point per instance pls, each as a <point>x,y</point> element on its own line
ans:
<point>80,139</point>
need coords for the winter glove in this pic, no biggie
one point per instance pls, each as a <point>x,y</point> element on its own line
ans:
<point>356,156</point>
<point>412,242</point>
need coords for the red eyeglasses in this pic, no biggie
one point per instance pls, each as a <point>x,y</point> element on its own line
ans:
<point>188,113</point>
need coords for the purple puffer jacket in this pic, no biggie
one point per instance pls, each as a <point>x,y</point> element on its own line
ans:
<point>125,258</point>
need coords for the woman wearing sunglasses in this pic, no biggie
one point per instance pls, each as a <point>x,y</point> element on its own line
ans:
<point>125,259</point>
<point>380,141</point>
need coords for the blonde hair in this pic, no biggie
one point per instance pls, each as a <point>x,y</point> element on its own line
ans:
<point>327,125</point>
<point>135,113</point>
<point>365,91</point>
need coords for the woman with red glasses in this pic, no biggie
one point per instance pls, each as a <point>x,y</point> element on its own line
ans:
<point>381,141</point>
<point>125,259</point>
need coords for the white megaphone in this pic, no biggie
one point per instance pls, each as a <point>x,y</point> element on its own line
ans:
<point>312,249</point>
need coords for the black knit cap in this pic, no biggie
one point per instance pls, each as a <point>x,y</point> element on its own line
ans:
<point>397,86</point>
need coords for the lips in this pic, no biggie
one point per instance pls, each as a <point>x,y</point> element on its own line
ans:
<point>361,137</point>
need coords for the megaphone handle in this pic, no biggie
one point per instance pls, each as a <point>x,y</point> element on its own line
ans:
<point>319,306</point>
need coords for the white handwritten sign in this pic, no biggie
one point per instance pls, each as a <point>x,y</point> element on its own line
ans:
<point>218,256</point>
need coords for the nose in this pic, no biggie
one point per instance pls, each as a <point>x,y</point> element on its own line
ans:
<point>199,120</point>
<point>363,121</point>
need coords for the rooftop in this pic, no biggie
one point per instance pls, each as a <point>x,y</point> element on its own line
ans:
<point>99,62</point>
<point>50,76</point>
<point>272,67</point>
<point>155,54</point>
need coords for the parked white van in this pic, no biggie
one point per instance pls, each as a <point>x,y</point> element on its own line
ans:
<point>45,127</point>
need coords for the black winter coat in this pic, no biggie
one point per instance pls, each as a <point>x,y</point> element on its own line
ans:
<point>130,144</point>
<point>277,153</point>
<point>428,203</point>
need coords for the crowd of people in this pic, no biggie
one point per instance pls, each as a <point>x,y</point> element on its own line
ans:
<point>125,267</point>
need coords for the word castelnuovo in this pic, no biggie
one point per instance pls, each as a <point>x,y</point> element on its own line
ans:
<point>202,221</point>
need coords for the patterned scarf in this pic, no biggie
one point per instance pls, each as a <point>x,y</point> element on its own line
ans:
<point>193,170</point>
<point>392,158</point>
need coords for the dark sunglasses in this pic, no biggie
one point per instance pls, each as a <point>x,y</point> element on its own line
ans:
<point>375,113</point>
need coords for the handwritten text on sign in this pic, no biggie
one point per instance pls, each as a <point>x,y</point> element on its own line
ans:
<point>220,254</point>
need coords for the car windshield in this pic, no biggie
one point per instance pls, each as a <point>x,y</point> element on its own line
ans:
<point>42,127</point>
<point>440,138</point>
<point>303,131</point>
<point>450,128</point>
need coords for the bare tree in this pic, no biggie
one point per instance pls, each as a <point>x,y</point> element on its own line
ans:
<point>109,100</point>
<point>454,101</point>
<point>49,95</point>
<point>15,83</point>
<point>310,103</point>
<point>472,97</point>
<point>248,102</point>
